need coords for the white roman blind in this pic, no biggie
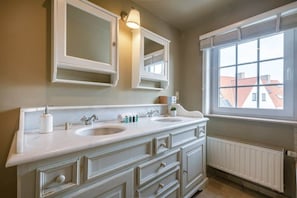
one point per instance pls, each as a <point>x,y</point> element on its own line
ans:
<point>279,19</point>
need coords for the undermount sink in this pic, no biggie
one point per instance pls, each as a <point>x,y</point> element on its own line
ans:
<point>167,119</point>
<point>102,130</point>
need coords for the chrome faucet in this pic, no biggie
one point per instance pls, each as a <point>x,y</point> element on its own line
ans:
<point>152,112</point>
<point>89,120</point>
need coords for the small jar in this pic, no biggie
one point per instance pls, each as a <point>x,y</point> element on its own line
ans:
<point>173,113</point>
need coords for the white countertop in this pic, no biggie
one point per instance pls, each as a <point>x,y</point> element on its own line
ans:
<point>39,146</point>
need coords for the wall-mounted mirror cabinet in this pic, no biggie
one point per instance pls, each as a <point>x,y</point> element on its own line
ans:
<point>84,40</point>
<point>150,60</point>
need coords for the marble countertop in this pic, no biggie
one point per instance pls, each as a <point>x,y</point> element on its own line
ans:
<point>39,146</point>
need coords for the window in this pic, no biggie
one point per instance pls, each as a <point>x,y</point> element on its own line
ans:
<point>251,77</point>
<point>254,97</point>
<point>264,97</point>
<point>246,70</point>
<point>250,67</point>
<point>154,63</point>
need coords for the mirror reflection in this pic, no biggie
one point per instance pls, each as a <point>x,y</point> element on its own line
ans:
<point>88,36</point>
<point>153,57</point>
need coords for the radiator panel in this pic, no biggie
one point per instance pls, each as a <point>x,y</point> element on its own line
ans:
<point>254,163</point>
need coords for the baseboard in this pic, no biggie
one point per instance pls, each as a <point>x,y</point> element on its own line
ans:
<point>197,188</point>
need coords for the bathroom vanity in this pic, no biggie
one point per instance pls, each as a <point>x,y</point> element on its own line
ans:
<point>154,157</point>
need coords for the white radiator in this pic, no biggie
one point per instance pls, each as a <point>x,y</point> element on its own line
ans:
<point>254,163</point>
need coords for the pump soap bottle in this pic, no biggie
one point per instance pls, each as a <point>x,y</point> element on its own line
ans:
<point>46,122</point>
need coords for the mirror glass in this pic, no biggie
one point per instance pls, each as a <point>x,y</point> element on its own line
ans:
<point>153,57</point>
<point>88,36</point>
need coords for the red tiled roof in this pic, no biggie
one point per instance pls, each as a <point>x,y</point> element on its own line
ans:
<point>275,92</point>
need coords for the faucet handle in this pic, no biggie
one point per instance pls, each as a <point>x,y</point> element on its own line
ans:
<point>90,120</point>
<point>84,118</point>
<point>95,117</point>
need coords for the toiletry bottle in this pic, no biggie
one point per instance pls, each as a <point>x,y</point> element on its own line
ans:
<point>46,122</point>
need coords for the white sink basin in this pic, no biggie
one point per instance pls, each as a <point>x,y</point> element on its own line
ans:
<point>102,130</point>
<point>167,119</point>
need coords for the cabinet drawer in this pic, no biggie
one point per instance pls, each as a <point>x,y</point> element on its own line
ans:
<point>184,135</point>
<point>172,192</point>
<point>161,144</point>
<point>118,185</point>
<point>57,178</point>
<point>98,164</point>
<point>155,167</point>
<point>165,185</point>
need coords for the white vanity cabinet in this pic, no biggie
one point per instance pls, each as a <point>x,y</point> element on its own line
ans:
<point>193,166</point>
<point>117,186</point>
<point>168,163</point>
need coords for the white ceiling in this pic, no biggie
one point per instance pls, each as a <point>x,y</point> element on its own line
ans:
<point>185,13</point>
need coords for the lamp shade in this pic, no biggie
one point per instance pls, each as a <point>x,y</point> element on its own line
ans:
<point>133,19</point>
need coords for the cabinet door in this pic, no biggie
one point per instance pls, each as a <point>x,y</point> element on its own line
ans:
<point>117,186</point>
<point>85,43</point>
<point>193,165</point>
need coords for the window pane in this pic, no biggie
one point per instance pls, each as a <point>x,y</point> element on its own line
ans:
<point>272,47</point>
<point>227,56</point>
<point>272,72</point>
<point>158,68</point>
<point>227,97</point>
<point>247,97</point>
<point>247,52</point>
<point>274,97</point>
<point>247,74</point>
<point>227,76</point>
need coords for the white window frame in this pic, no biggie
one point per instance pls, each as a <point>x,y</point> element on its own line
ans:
<point>210,90</point>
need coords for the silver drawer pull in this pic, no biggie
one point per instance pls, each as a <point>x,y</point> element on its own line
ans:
<point>185,172</point>
<point>163,164</point>
<point>60,179</point>
<point>161,185</point>
<point>163,144</point>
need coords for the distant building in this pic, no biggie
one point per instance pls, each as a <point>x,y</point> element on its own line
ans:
<point>270,97</point>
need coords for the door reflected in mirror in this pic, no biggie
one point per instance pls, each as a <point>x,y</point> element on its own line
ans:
<point>153,57</point>
<point>88,36</point>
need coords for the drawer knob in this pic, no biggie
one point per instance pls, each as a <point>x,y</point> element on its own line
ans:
<point>163,144</point>
<point>60,179</point>
<point>161,185</point>
<point>185,172</point>
<point>163,164</point>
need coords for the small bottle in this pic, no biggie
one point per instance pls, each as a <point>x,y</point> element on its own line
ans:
<point>126,119</point>
<point>46,122</point>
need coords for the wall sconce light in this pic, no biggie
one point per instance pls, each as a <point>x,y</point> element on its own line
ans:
<point>132,19</point>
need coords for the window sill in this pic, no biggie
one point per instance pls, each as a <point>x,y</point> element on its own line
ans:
<point>276,121</point>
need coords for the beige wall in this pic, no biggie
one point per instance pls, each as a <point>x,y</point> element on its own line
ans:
<point>25,69</point>
<point>25,72</point>
<point>191,76</point>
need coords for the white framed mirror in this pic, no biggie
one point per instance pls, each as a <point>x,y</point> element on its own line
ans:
<point>85,39</point>
<point>150,60</point>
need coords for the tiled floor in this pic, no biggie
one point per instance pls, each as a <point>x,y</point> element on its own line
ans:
<point>218,188</point>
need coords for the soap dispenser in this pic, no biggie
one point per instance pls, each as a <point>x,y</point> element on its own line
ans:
<point>46,122</point>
